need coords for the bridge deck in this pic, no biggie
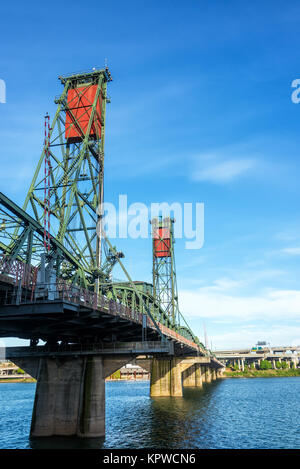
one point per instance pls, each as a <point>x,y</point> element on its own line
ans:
<point>77,320</point>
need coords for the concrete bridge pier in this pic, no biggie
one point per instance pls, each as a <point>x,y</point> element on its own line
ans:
<point>192,376</point>
<point>169,375</point>
<point>70,394</point>
<point>295,362</point>
<point>198,376</point>
<point>165,377</point>
<point>207,374</point>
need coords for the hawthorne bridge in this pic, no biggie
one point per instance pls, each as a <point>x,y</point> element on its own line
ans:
<point>57,288</point>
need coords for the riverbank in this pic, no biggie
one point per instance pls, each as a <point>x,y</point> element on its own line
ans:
<point>17,380</point>
<point>261,373</point>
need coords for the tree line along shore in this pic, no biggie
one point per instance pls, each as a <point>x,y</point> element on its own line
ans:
<point>265,369</point>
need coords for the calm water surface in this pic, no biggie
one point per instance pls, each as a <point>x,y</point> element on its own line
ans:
<point>229,413</point>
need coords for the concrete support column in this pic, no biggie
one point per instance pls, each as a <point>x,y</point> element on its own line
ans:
<point>70,394</point>
<point>198,375</point>
<point>70,398</point>
<point>295,362</point>
<point>207,375</point>
<point>189,377</point>
<point>192,376</point>
<point>165,377</point>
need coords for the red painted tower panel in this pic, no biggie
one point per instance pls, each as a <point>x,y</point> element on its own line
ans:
<point>80,101</point>
<point>161,240</point>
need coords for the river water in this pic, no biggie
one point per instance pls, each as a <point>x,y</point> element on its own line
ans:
<point>228,413</point>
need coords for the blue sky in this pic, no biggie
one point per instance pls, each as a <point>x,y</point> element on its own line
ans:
<point>200,111</point>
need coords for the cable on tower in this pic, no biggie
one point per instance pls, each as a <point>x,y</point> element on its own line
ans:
<point>47,185</point>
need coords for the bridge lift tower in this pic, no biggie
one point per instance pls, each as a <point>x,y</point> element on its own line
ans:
<point>164,271</point>
<point>72,162</point>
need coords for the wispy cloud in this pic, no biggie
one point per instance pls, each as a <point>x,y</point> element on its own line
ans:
<point>216,304</point>
<point>248,335</point>
<point>224,164</point>
<point>293,251</point>
<point>224,171</point>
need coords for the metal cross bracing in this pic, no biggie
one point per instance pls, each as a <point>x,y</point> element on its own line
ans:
<point>56,239</point>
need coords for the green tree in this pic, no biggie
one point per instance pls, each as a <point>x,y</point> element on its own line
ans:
<point>278,365</point>
<point>265,365</point>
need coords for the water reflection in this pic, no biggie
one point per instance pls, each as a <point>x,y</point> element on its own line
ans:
<point>61,442</point>
<point>173,419</point>
<point>224,414</point>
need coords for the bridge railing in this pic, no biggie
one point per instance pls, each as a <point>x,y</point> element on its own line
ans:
<point>90,299</point>
<point>17,271</point>
<point>45,293</point>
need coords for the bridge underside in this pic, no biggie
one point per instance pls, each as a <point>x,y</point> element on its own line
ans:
<point>64,321</point>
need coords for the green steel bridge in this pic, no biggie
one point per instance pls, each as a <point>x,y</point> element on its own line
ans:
<point>54,246</point>
<point>56,264</point>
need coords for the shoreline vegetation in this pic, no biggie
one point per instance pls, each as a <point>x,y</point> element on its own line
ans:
<point>261,373</point>
<point>265,369</point>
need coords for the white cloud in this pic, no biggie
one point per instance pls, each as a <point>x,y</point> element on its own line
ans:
<point>295,251</point>
<point>209,302</point>
<point>276,335</point>
<point>224,171</point>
